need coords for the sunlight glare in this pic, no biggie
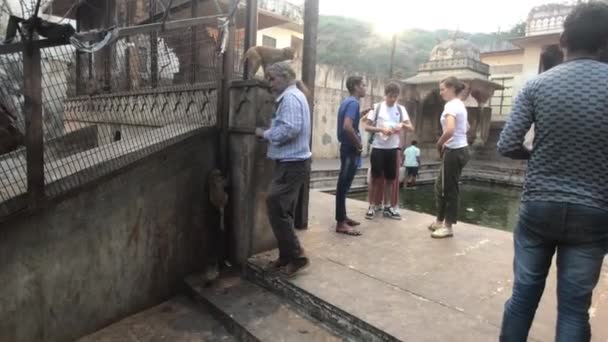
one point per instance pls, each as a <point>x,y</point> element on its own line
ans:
<point>389,27</point>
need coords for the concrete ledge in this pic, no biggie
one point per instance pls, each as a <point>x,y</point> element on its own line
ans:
<point>176,320</point>
<point>311,304</point>
<point>252,313</point>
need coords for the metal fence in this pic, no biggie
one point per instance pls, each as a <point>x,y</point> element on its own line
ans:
<point>102,111</point>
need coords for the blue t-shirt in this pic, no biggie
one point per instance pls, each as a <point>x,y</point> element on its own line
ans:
<point>348,108</point>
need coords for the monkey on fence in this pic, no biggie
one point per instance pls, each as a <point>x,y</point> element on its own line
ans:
<point>263,56</point>
<point>10,137</point>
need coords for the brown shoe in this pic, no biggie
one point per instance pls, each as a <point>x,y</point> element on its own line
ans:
<point>352,222</point>
<point>278,263</point>
<point>296,266</point>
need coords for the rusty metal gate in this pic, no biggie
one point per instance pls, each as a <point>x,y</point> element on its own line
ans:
<point>68,117</point>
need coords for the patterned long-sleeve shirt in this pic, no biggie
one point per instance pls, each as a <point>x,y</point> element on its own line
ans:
<point>569,159</point>
<point>290,131</point>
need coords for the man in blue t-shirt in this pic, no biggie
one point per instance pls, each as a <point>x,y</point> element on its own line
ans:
<point>349,115</point>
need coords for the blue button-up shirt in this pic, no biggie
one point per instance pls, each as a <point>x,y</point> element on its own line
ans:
<point>290,131</point>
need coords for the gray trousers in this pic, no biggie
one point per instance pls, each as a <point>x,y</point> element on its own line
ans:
<point>287,179</point>
<point>447,190</point>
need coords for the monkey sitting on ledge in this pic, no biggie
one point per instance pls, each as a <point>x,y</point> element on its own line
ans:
<point>263,56</point>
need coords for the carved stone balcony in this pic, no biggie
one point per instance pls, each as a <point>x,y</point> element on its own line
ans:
<point>547,19</point>
<point>456,63</point>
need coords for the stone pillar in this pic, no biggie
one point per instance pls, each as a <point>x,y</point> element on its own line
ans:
<point>251,105</point>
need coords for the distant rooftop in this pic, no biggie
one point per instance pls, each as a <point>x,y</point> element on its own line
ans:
<point>547,19</point>
<point>498,46</point>
<point>284,8</point>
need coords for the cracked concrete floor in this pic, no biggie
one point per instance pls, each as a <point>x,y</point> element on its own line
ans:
<point>419,289</point>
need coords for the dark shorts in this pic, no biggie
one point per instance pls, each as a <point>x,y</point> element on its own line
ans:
<point>412,171</point>
<point>384,163</point>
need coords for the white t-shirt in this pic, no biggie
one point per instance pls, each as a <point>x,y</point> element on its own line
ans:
<point>387,117</point>
<point>457,109</point>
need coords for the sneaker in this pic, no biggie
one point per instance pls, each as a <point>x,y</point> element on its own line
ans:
<point>434,226</point>
<point>391,213</point>
<point>370,213</point>
<point>442,233</point>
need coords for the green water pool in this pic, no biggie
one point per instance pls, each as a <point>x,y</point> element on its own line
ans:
<point>483,204</point>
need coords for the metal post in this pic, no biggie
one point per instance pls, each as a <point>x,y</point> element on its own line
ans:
<point>193,43</point>
<point>225,67</point>
<point>78,71</point>
<point>227,74</point>
<point>108,51</point>
<point>153,49</point>
<point>128,65</point>
<point>390,73</point>
<point>309,69</point>
<point>33,125</point>
<point>251,30</point>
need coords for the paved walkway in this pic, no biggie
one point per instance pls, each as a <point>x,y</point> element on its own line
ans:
<point>397,278</point>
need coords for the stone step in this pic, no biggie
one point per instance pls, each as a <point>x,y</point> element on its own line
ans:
<point>252,313</point>
<point>177,320</point>
<point>367,307</point>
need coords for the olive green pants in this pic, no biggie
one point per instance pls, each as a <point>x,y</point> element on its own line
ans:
<point>447,191</point>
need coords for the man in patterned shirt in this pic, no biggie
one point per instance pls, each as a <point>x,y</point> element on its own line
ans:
<point>565,197</point>
<point>288,145</point>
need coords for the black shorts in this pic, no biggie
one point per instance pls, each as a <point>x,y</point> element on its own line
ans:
<point>384,163</point>
<point>412,171</point>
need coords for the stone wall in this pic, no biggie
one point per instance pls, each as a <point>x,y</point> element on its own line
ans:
<point>110,250</point>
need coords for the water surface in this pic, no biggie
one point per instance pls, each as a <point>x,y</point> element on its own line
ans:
<point>483,204</point>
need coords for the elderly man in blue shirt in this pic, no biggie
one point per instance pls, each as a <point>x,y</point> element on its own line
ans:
<point>288,145</point>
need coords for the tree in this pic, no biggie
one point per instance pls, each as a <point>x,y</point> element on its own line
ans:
<point>518,30</point>
<point>352,46</point>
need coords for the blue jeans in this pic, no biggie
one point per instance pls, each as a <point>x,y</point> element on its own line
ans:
<point>348,169</point>
<point>579,234</point>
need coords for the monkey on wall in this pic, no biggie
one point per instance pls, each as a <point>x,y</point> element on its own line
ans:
<point>217,193</point>
<point>263,56</point>
<point>219,199</point>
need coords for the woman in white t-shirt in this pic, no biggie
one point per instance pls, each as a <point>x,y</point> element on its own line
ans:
<point>454,152</point>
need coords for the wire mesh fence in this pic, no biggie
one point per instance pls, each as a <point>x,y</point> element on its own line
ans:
<point>12,131</point>
<point>105,110</point>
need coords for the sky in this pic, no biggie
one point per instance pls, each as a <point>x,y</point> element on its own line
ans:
<point>464,15</point>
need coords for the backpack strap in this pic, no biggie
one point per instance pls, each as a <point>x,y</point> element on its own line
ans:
<point>376,113</point>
